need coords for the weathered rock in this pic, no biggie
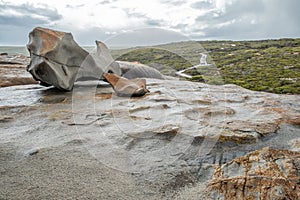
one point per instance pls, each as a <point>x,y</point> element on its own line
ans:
<point>14,75</point>
<point>104,58</point>
<point>169,138</point>
<point>5,118</point>
<point>132,70</point>
<point>125,87</point>
<point>264,174</point>
<point>56,59</point>
<point>13,71</point>
<point>295,144</point>
<point>14,59</point>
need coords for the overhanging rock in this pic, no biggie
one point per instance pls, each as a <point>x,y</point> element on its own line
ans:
<point>56,59</point>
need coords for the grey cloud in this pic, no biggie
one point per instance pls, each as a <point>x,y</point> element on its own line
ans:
<point>253,19</point>
<point>74,6</point>
<point>106,2</point>
<point>133,13</point>
<point>29,9</point>
<point>202,5</point>
<point>14,29</point>
<point>147,36</point>
<point>236,10</point>
<point>237,30</point>
<point>281,18</point>
<point>147,20</point>
<point>173,2</point>
<point>151,22</point>
<point>137,37</point>
<point>88,36</point>
<point>249,19</point>
<point>180,26</point>
<point>246,6</point>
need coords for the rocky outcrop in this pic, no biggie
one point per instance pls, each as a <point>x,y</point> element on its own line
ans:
<point>56,59</point>
<point>133,70</point>
<point>264,174</point>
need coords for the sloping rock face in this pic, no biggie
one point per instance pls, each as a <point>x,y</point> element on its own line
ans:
<point>56,59</point>
<point>179,135</point>
<point>264,174</point>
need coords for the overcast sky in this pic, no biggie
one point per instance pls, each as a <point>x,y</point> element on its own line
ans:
<point>146,22</point>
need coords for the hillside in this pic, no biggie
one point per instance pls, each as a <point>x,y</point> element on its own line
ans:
<point>266,65</point>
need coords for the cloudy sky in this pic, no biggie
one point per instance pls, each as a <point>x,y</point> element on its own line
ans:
<point>140,22</point>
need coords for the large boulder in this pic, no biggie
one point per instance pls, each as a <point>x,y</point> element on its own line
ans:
<point>56,59</point>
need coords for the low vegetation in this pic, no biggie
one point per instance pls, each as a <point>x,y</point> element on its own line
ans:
<point>267,65</point>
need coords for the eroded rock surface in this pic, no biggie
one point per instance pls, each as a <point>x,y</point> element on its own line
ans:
<point>264,174</point>
<point>13,70</point>
<point>167,141</point>
<point>14,59</point>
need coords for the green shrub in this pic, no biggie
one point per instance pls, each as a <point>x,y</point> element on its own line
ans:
<point>255,65</point>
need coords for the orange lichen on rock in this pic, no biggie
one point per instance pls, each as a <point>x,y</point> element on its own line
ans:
<point>49,39</point>
<point>126,87</point>
<point>264,174</point>
<point>288,117</point>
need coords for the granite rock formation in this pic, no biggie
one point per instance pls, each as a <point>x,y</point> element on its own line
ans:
<point>263,174</point>
<point>56,59</point>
